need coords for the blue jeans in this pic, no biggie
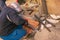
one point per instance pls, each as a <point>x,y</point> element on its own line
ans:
<point>17,34</point>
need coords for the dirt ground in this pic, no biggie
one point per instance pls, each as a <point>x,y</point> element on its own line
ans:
<point>45,35</point>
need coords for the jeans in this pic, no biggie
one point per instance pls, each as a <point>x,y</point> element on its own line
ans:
<point>17,34</point>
